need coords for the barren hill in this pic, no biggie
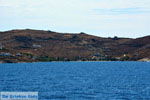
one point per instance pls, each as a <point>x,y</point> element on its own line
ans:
<point>38,45</point>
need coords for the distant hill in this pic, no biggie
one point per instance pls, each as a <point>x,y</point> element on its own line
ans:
<point>38,45</point>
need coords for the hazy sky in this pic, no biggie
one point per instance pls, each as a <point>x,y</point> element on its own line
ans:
<point>106,18</point>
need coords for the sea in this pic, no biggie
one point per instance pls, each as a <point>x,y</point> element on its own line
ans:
<point>78,80</point>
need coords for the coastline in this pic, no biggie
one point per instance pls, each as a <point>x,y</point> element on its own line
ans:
<point>2,62</point>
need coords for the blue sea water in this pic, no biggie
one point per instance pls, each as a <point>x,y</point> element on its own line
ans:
<point>79,80</point>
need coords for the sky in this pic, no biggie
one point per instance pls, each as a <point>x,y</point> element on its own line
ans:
<point>104,18</point>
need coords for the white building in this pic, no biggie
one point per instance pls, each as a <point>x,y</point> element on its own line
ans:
<point>36,46</point>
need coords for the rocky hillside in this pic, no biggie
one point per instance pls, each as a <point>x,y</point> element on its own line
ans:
<point>38,45</point>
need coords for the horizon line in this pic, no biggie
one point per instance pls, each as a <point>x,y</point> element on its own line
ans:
<point>72,33</point>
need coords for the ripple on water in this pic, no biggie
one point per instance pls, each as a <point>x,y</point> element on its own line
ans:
<point>79,80</point>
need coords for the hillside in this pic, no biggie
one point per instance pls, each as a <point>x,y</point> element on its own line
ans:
<point>38,45</point>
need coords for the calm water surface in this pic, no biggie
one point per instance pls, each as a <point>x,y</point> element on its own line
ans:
<point>79,80</point>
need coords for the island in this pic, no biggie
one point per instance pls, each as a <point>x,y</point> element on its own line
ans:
<point>28,45</point>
